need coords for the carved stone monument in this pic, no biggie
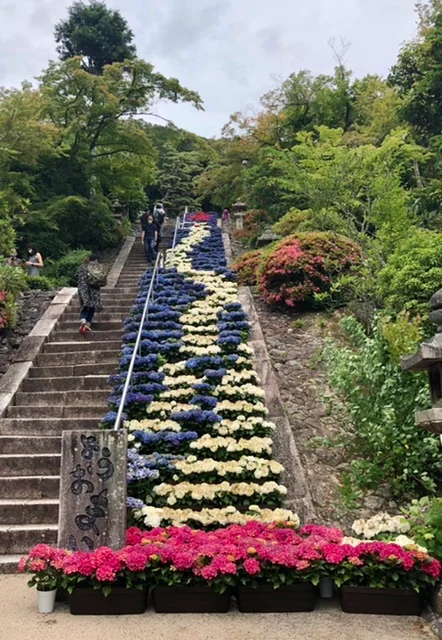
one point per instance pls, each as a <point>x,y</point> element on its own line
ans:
<point>429,358</point>
<point>93,490</point>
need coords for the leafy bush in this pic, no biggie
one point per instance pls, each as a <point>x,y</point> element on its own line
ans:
<point>386,445</point>
<point>71,221</point>
<point>425,519</point>
<point>65,269</point>
<point>259,217</point>
<point>297,220</point>
<point>294,270</point>
<point>413,273</point>
<point>13,281</point>
<point>246,267</point>
<point>42,283</point>
<point>289,223</point>
<point>254,223</point>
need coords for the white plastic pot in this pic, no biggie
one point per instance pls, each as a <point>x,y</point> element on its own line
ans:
<point>326,587</point>
<point>46,601</point>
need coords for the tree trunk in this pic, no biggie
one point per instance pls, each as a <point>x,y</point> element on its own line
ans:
<point>417,174</point>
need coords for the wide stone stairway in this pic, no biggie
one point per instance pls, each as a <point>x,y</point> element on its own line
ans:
<point>66,389</point>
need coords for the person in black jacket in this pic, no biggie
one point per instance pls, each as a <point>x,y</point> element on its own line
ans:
<point>149,235</point>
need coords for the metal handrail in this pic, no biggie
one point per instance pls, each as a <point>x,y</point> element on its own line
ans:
<point>137,345</point>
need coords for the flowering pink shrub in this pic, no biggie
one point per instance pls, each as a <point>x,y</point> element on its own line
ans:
<point>199,217</point>
<point>305,264</point>
<point>246,267</point>
<point>250,554</point>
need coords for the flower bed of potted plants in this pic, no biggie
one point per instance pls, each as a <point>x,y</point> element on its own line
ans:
<point>100,582</point>
<point>268,566</point>
<point>199,440</point>
<point>381,577</point>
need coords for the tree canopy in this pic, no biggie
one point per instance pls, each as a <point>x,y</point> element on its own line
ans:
<point>95,33</point>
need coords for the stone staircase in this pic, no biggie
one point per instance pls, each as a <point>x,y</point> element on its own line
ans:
<point>66,389</point>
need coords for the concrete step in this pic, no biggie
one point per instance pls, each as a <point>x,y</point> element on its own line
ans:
<point>17,445</point>
<point>78,358</point>
<point>91,336</point>
<point>74,325</point>
<point>9,563</point>
<point>18,511</point>
<point>120,298</point>
<point>30,487</point>
<point>47,426</point>
<point>74,414</point>
<point>73,370</point>
<point>19,538</point>
<point>88,383</point>
<point>63,398</point>
<point>99,318</point>
<point>86,344</point>
<point>43,464</point>
<point>122,309</point>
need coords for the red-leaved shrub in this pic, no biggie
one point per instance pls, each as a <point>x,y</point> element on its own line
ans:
<point>246,267</point>
<point>305,264</point>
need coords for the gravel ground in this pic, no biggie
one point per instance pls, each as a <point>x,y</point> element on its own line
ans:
<point>19,620</point>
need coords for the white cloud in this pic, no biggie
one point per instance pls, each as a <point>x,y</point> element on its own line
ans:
<point>228,50</point>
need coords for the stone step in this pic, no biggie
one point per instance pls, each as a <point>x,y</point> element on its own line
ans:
<point>73,370</point>
<point>91,336</point>
<point>120,298</point>
<point>9,563</point>
<point>87,383</point>
<point>74,414</point>
<point>63,398</point>
<point>17,445</point>
<point>122,309</point>
<point>42,464</point>
<point>19,538</point>
<point>30,487</point>
<point>74,325</point>
<point>86,344</point>
<point>78,358</point>
<point>16,511</point>
<point>47,426</point>
<point>99,318</point>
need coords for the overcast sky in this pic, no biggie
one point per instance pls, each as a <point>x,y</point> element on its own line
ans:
<point>231,51</point>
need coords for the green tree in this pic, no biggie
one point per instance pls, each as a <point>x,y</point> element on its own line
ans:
<point>97,34</point>
<point>176,179</point>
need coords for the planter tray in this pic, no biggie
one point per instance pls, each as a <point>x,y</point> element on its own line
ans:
<point>89,602</point>
<point>266,599</point>
<point>393,602</point>
<point>198,599</point>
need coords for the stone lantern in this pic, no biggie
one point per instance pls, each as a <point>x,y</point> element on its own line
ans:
<point>429,358</point>
<point>267,237</point>
<point>118,211</point>
<point>239,211</point>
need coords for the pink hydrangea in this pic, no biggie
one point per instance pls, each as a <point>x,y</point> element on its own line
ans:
<point>252,566</point>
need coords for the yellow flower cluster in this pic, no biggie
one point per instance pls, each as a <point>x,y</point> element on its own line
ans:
<point>213,443</point>
<point>156,516</point>
<point>205,491</point>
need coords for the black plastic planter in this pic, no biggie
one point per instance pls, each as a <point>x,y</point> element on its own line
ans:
<point>198,599</point>
<point>85,601</point>
<point>392,602</point>
<point>266,599</point>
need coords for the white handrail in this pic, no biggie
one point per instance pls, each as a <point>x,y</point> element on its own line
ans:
<point>137,345</point>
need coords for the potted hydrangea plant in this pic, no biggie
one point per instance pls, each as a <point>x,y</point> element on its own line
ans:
<point>45,565</point>
<point>381,577</point>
